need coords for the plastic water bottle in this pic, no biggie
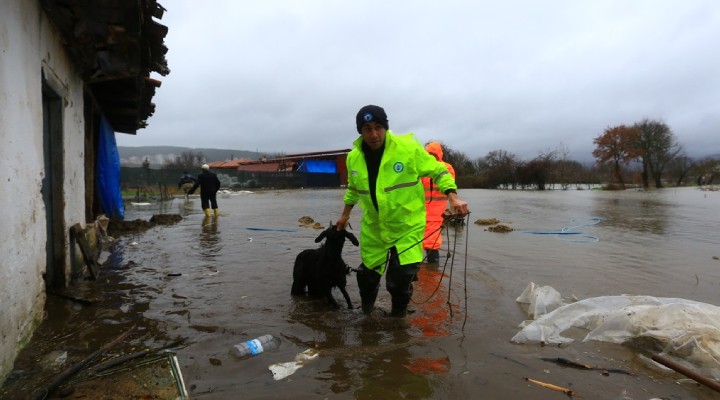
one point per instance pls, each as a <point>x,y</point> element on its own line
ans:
<point>257,346</point>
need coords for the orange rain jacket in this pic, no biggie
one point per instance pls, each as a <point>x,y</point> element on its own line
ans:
<point>435,202</point>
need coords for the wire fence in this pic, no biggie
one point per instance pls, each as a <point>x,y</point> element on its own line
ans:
<point>165,181</point>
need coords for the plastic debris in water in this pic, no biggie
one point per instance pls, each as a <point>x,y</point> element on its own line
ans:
<point>256,346</point>
<point>283,370</point>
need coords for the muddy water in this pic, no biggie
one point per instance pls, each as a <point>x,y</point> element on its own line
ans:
<point>220,281</point>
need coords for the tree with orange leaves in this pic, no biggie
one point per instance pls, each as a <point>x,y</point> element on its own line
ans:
<point>617,145</point>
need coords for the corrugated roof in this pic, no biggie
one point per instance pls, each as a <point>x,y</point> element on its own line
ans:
<point>260,167</point>
<point>316,155</point>
<point>274,164</point>
<point>230,164</point>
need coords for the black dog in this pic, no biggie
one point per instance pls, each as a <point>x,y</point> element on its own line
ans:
<point>323,268</point>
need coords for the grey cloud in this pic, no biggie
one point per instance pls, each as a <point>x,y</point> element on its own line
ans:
<point>522,76</point>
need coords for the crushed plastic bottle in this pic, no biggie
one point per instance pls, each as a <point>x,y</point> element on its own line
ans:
<point>256,346</point>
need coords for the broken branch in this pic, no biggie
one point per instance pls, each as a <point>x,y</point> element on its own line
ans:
<point>712,384</point>
<point>551,387</point>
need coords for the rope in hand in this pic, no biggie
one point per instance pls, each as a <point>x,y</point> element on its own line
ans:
<point>463,220</point>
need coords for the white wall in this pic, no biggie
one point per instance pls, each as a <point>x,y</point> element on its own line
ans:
<point>29,44</point>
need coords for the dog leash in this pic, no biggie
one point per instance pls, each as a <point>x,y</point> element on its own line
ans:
<point>447,218</point>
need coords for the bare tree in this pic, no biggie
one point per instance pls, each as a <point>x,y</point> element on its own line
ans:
<point>707,170</point>
<point>679,167</point>
<point>534,173</point>
<point>659,146</point>
<point>563,166</point>
<point>502,167</point>
<point>546,164</point>
<point>186,160</point>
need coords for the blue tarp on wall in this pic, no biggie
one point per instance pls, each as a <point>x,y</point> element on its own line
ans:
<point>108,173</point>
<point>319,166</point>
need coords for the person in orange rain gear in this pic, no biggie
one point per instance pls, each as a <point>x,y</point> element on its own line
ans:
<point>435,204</point>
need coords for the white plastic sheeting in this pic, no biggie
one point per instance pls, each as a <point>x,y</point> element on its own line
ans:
<point>540,299</point>
<point>285,369</point>
<point>688,331</point>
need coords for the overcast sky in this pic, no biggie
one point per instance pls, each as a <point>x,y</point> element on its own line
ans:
<point>522,76</point>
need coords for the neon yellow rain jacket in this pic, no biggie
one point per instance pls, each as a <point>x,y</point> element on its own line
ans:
<point>400,218</point>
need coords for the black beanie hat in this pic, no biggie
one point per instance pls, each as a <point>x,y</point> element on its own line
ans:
<point>371,113</point>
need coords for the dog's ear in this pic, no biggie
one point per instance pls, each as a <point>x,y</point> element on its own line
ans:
<point>322,235</point>
<point>352,238</point>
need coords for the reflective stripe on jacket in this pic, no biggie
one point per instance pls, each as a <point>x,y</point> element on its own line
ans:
<point>435,200</point>
<point>400,218</point>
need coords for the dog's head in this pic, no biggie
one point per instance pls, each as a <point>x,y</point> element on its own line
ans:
<point>332,233</point>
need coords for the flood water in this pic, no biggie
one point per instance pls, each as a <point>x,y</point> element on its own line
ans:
<point>221,281</point>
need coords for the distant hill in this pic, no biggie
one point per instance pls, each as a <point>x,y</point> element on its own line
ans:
<point>157,155</point>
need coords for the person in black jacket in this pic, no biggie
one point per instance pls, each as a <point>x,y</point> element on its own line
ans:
<point>209,185</point>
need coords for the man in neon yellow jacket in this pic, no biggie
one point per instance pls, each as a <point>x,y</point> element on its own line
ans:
<point>384,172</point>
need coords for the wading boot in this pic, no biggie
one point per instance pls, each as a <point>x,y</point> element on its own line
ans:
<point>217,212</point>
<point>207,212</point>
<point>433,257</point>
<point>398,312</point>
<point>369,284</point>
<point>367,308</point>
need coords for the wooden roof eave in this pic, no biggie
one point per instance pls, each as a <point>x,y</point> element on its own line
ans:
<point>115,45</point>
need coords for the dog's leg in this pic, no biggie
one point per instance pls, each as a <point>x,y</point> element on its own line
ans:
<point>298,288</point>
<point>299,279</point>
<point>301,270</point>
<point>332,301</point>
<point>346,295</point>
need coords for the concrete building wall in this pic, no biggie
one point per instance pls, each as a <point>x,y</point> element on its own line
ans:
<point>29,48</point>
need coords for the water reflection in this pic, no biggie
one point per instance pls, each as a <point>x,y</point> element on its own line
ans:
<point>646,215</point>
<point>432,318</point>
<point>368,355</point>
<point>185,207</point>
<point>210,239</point>
<point>361,357</point>
<point>431,300</point>
<point>164,207</point>
<point>387,375</point>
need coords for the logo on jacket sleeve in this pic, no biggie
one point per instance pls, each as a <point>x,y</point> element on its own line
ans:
<point>398,167</point>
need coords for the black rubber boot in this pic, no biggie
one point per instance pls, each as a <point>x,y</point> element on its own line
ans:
<point>398,312</point>
<point>398,280</point>
<point>369,284</point>
<point>433,257</point>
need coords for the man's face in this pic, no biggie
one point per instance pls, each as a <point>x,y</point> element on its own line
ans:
<point>373,134</point>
